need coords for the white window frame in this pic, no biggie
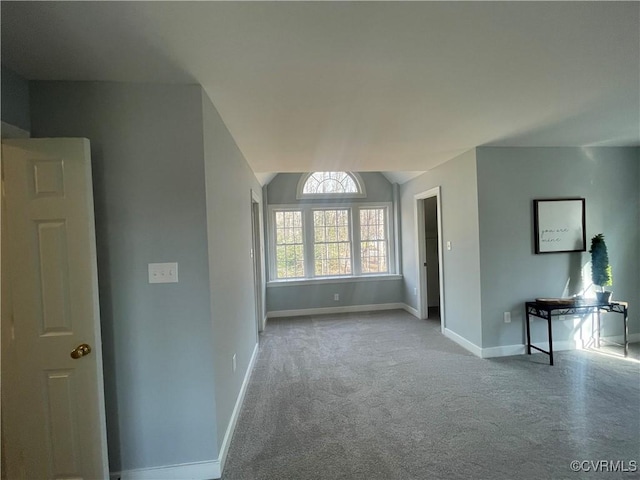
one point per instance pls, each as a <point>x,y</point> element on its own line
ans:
<point>387,212</point>
<point>357,179</point>
<point>273,258</point>
<point>324,208</point>
<point>307,210</point>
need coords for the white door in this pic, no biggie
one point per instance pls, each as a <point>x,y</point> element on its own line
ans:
<point>52,386</point>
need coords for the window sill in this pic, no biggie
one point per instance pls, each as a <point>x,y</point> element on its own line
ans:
<point>320,281</point>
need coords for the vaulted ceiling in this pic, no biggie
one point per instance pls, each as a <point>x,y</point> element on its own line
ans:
<point>384,86</point>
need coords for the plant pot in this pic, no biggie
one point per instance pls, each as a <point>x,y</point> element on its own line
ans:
<point>603,297</point>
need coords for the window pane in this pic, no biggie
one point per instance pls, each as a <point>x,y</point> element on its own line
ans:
<point>343,234</point>
<point>333,267</point>
<point>299,264</point>
<point>365,232</point>
<point>289,247</point>
<point>297,235</point>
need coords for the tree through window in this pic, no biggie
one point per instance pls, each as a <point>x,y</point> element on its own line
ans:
<point>332,242</point>
<point>289,244</point>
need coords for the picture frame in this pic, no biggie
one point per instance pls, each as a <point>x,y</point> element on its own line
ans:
<point>559,225</point>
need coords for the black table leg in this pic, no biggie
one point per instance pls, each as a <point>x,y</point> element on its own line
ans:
<point>528,335</point>
<point>550,342</point>
<point>626,331</point>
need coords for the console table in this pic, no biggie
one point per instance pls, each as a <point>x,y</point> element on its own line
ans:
<point>548,310</point>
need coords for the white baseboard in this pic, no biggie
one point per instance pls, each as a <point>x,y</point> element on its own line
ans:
<point>331,310</point>
<point>199,470</point>
<point>224,449</point>
<point>186,471</point>
<point>508,350</point>
<point>411,310</point>
<point>463,342</point>
<point>558,346</point>
<point>504,351</point>
<point>521,349</point>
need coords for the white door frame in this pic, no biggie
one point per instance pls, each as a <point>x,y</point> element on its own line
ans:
<point>421,254</point>
<point>258,262</point>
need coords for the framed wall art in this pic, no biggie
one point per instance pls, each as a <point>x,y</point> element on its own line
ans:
<point>559,225</point>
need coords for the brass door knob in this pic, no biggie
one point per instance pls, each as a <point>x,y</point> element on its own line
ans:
<point>80,351</point>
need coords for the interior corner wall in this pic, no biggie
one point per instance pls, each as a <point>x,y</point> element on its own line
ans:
<point>15,99</point>
<point>509,179</point>
<point>150,206</point>
<point>229,185</point>
<point>457,180</point>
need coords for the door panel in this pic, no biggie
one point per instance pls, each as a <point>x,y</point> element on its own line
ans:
<point>54,416</point>
<point>53,290</point>
<point>61,418</point>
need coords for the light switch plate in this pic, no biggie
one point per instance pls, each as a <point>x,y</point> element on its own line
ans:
<point>163,273</point>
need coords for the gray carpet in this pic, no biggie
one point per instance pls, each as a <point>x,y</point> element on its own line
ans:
<point>385,396</point>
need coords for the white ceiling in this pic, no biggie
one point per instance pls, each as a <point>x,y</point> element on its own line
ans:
<point>386,86</point>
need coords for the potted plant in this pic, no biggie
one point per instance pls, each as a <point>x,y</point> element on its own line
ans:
<point>600,268</point>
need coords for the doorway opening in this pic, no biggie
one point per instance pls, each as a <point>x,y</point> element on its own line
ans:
<point>430,289</point>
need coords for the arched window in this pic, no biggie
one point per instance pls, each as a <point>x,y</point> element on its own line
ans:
<point>330,184</point>
<point>332,230</point>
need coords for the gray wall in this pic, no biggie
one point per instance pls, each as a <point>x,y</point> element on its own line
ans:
<point>508,181</point>
<point>15,99</point>
<point>229,182</point>
<point>149,188</point>
<point>282,191</point>
<point>461,265</point>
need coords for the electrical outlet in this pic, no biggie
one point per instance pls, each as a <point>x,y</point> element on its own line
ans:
<point>415,291</point>
<point>507,317</point>
<point>163,272</point>
<point>336,297</point>
<point>448,245</point>
<point>233,362</point>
